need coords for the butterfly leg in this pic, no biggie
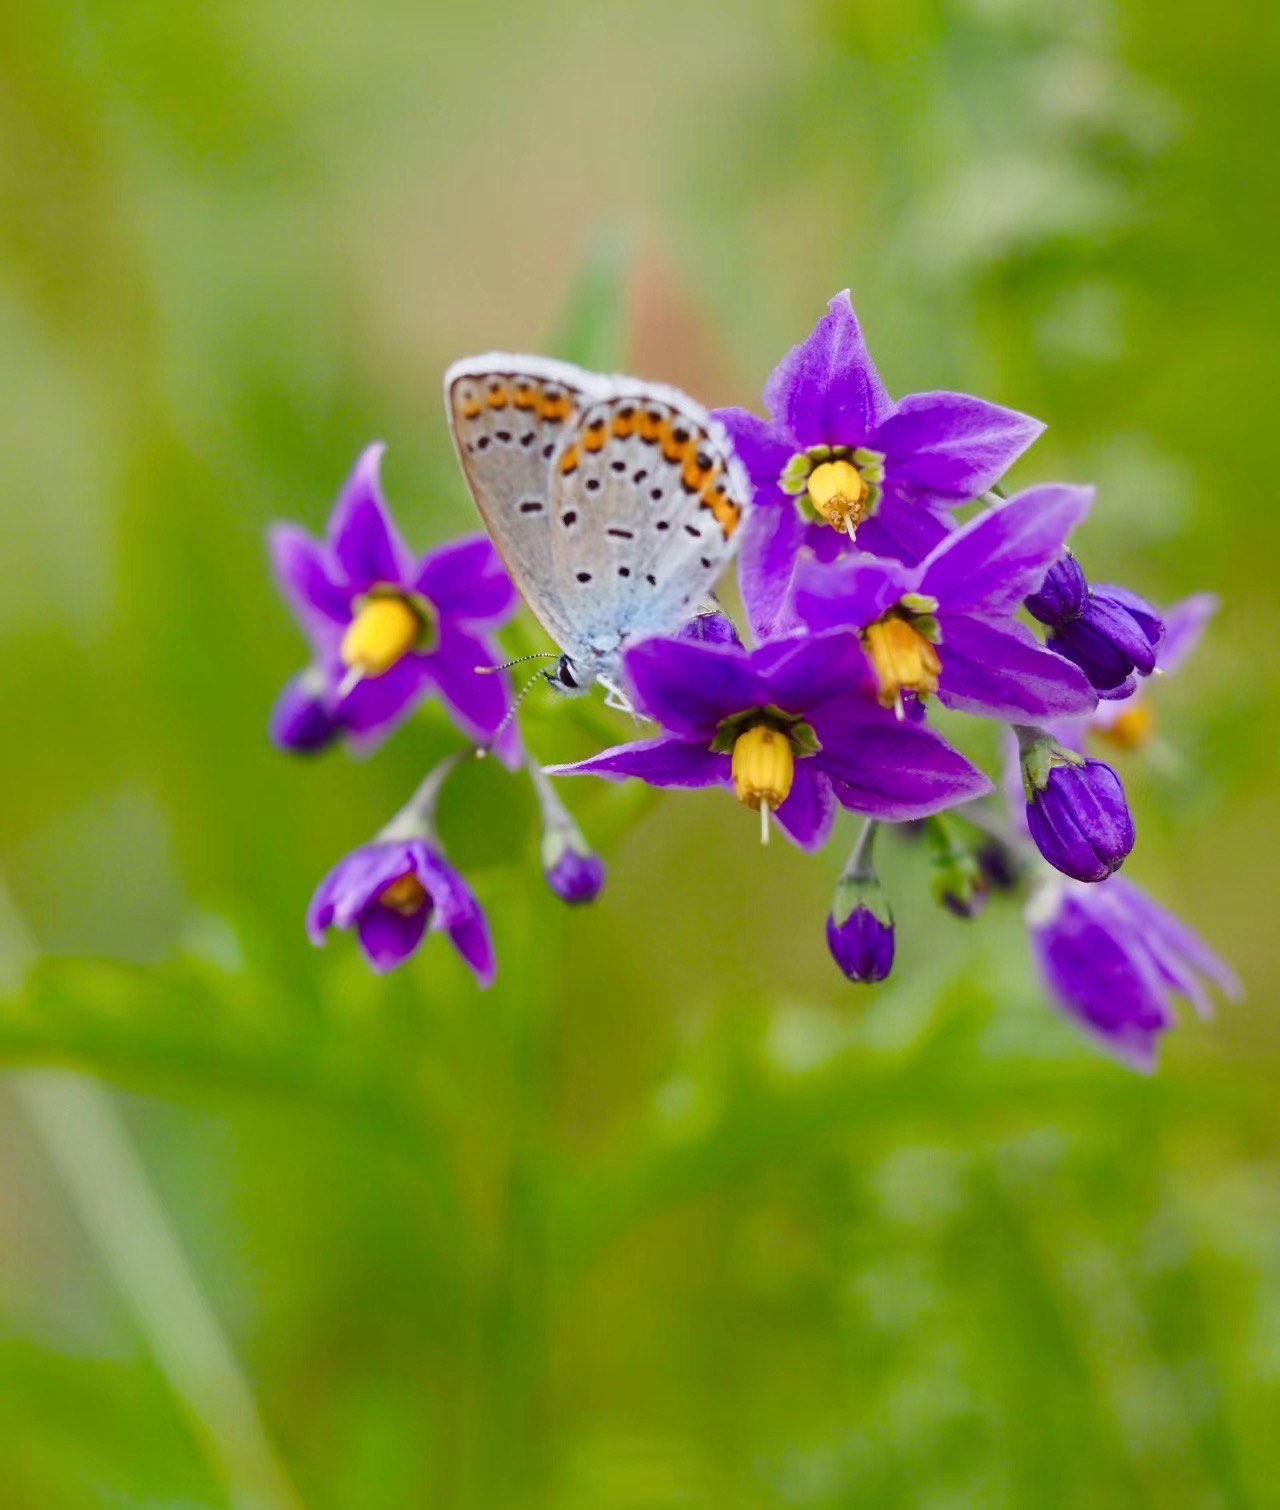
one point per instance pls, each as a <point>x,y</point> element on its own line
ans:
<point>615,697</point>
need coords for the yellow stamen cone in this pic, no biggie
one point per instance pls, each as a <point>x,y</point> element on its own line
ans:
<point>406,896</point>
<point>904,660</point>
<point>763,767</point>
<point>384,630</point>
<point>1132,727</point>
<point>838,493</point>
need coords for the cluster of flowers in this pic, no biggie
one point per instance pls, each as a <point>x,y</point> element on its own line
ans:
<point>865,599</point>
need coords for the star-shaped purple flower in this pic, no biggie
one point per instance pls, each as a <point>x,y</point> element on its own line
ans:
<point>392,892</point>
<point>948,626</point>
<point>837,454</point>
<point>389,629</point>
<point>1114,960</point>
<point>793,727</point>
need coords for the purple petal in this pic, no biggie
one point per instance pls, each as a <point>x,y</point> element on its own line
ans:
<point>904,526</point>
<point>467,580</point>
<point>802,674</point>
<point>761,449</point>
<point>472,940</point>
<point>1101,982</point>
<point>854,592</point>
<point>826,391</point>
<point>355,881</point>
<point>690,687</point>
<point>1004,672</point>
<point>891,768</point>
<point>1184,623</point>
<point>810,810</point>
<point>389,937</point>
<point>301,566</point>
<point>660,762</point>
<point>1176,948</point>
<point>376,704</point>
<point>772,537</point>
<point>999,558</point>
<point>478,700</point>
<point>364,540</point>
<point>951,445</point>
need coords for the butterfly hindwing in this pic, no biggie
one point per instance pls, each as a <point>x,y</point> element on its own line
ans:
<point>646,500</point>
<point>509,416</point>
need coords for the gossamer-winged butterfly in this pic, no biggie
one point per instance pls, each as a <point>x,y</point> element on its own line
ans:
<point>614,504</point>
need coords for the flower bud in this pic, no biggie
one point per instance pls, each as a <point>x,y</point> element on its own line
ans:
<point>573,871</point>
<point>959,884</point>
<point>999,865</point>
<point>1076,809</point>
<point>1063,595</point>
<point>301,722</point>
<point>1117,635</point>
<point>713,627</point>
<point>860,930</point>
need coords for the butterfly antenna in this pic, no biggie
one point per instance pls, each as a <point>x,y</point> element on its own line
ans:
<point>487,747</point>
<point>535,655</point>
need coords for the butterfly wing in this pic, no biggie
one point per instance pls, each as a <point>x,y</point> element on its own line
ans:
<point>509,416</point>
<point>646,500</point>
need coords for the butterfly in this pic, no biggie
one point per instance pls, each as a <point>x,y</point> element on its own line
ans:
<point>614,504</point>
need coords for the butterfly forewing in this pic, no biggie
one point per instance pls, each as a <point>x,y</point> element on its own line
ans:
<point>510,416</point>
<point>646,502</point>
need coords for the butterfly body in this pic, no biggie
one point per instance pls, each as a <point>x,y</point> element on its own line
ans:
<point>614,504</point>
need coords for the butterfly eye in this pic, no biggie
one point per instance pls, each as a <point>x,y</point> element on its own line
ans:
<point>564,673</point>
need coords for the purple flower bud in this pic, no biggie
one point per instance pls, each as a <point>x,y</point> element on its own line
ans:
<point>862,945</point>
<point>1063,595</point>
<point>712,627</point>
<point>301,721</point>
<point>576,875</point>
<point>860,925</point>
<point>1118,633</point>
<point>1076,809</point>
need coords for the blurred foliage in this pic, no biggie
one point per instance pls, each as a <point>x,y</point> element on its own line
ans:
<point>671,1215</point>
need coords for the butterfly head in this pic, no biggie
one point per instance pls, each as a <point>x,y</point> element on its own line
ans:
<point>569,677</point>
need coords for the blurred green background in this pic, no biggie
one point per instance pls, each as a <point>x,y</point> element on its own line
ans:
<point>672,1215</point>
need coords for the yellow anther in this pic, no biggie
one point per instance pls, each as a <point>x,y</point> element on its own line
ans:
<point>406,896</point>
<point>839,494</point>
<point>384,629</point>
<point>904,660</point>
<point>1133,726</point>
<point>763,767</point>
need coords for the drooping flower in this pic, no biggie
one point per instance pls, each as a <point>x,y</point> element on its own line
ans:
<point>1114,959</point>
<point>398,887</point>
<point>389,630</point>
<point>1076,810</point>
<point>572,868</point>
<point>1112,634</point>
<point>860,934</point>
<point>947,626</point>
<point>1129,723</point>
<point>302,719</point>
<point>792,728</point>
<point>837,456</point>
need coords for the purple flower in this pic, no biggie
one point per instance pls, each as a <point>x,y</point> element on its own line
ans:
<point>389,629</point>
<point>575,875</point>
<point>1076,808</point>
<point>838,455</point>
<point>1116,636</point>
<point>712,627</point>
<point>573,871</point>
<point>947,625</point>
<point>302,720</point>
<point>392,892</point>
<point>791,728</point>
<point>1063,595</point>
<point>1114,959</point>
<point>862,943</point>
<point>1129,723</point>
